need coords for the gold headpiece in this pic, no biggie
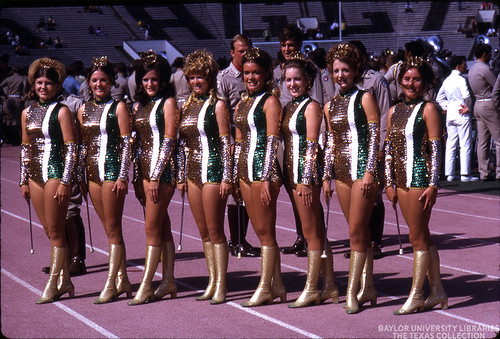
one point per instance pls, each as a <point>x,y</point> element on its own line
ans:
<point>297,55</point>
<point>342,50</point>
<point>149,57</point>
<point>46,63</point>
<point>100,61</point>
<point>252,53</point>
<point>415,61</point>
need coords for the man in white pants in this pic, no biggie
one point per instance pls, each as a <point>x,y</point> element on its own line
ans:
<point>454,99</point>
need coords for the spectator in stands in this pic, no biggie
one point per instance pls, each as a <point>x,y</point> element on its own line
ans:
<point>12,90</point>
<point>70,84</point>
<point>91,29</point>
<point>51,24</point>
<point>334,27</point>
<point>413,181</point>
<point>182,88</point>
<point>375,83</point>
<point>155,121</point>
<point>119,91</point>
<point>58,42</point>
<point>267,34</point>
<point>99,31</point>
<point>482,80</point>
<point>491,32</point>
<point>408,7</point>
<point>207,188</point>
<point>454,99</point>
<point>230,87</point>
<point>355,174</point>
<point>40,26</point>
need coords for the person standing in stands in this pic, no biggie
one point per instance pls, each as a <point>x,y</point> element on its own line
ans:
<point>482,80</point>
<point>12,89</point>
<point>120,90</point>
<point>230,87</point>
<point>454,99</point>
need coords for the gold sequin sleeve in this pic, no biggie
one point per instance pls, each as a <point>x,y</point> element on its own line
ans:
<point>435,146</point>
<point>181,161</point>
<point>389,177</point>
<point>310,161</point>
<point>225,150</point>
<point>373,140</point>
<point>126,157</point>
<point>270,156</point>
<point>167,145</point>
<point>69,162</point>
<point>25,163</point>
<point>329,154</point>
<point>236,160</point>
<point>82,160</point>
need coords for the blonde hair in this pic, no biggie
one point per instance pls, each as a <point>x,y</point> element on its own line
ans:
<point>202,62</point>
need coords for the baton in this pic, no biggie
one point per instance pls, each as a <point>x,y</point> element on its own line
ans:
<point>326,227</point>
<point>88,223</point>
<point>239,228</point>
<point>179,248</point>
<point>31,227</point>
<point>399,232</point>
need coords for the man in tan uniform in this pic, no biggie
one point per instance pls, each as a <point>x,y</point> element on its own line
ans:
<point>230,87</point>
<point>482,80</point>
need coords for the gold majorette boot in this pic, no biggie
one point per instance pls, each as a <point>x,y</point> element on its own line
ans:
<point>263,294</point>
<point>110,293</point>
<point>277,287</point>
<point>438,295</point>
<point>310,294</point>
<point>415,301</point>
<point>123,285</point>
<point>355,270</point>
<point>65,285</point>
<point>221,257</point>
<point>50,293</point>
<point>208,249</point>
<point>330,289</point>
<point>167,285</point>
<point>145,292</point>
<point>367,291</point>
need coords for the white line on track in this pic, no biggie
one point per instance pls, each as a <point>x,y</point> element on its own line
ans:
<point>63,307</point>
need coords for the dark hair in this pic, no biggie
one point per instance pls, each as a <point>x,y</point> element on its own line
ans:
<point>480,49</point>
<point>262,59</point>
<point>291,32</point>
<point>164,71</point>
<point>360,46</point>
<point>178,62</point>
<point>107,68</point>
<point>306,66</point>
<point>243,38</point>
<point>456,60</point>
<point>318,56</point>
<point>415,48</point>
<point>120,67</point>
<point>423,68</point>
